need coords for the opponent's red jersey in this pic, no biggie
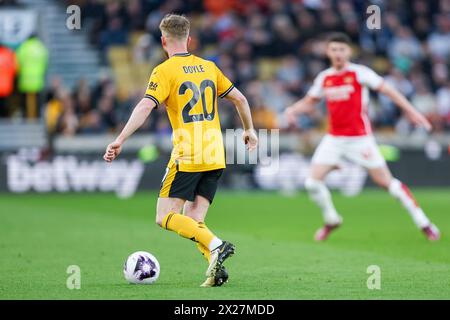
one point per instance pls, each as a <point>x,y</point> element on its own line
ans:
<point>346,93</point>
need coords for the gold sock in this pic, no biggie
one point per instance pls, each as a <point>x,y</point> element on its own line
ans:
<point>187,228</point>
<point>203,250</point>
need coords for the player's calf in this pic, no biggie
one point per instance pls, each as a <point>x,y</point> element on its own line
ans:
<point>319,193</point>
<point>401,192</point>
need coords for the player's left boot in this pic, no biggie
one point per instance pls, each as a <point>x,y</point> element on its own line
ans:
<point>218,256</point>
<point>323,233</point>
<point>221,276</point>
<point>431,232</point>
<point>219,279</point>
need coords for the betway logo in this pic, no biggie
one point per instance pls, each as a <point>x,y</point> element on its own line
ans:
<point>67,173</point>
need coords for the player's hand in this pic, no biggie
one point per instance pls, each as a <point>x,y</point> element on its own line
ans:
<point>250,139</point>
<point>112,151</point>
<point>291,117</point>
<point>419,120</point>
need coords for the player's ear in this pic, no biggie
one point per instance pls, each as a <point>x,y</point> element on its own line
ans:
<point>189,41</point>
<point>163,41</point>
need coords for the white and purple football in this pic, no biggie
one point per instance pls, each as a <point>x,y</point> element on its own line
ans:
<point>141,268</point>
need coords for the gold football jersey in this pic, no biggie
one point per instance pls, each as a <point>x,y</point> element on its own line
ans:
<point>189,86</point>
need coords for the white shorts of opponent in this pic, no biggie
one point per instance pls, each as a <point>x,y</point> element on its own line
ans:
<point>362,150</point>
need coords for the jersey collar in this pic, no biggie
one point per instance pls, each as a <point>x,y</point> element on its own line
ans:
<point>184,54</point>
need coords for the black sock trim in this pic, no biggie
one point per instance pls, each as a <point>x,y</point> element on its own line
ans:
<point>168,219</point>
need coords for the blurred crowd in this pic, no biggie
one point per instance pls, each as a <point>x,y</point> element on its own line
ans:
<point>22,76</point>
<point>272,51</point>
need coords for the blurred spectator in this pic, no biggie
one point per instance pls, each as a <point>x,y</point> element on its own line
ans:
<point>443,104</point>
<point>107,107</point>
<point>69,122</point>
<point>147,50</point>
<point>32,56</point>
<point>425,101</point>
<point>114,34</point>
<point>101,118</point>
<point>8,2</point>
<point>135,15</point>
<point>8,67</point>
<point>290,73</point>
<point>53,111</point>
<point>439,40</point>
<point>218,8</point>
<point>92,8</point>
<point>263,117</point>
<point>389,112</point>
<point>163,127</point>
<point>54,107</point>
<point>404,48</point>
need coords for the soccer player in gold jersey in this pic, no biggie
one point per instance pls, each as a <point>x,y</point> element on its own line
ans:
<point>189,87</point>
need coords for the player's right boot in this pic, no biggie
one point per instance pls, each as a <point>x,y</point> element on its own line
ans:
<point>218,256</point>
<point>323,233</point>
<point>431,232</point>
<point>219,279</point>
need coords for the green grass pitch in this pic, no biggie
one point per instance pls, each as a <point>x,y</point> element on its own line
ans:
<point>41,235</point>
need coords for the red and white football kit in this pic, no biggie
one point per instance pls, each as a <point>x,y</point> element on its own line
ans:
<point>346,93</point>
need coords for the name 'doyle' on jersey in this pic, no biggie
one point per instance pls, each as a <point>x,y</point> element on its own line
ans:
<point>67,173</point>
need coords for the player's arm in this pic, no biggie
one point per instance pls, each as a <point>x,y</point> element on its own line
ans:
<point>400,101</point>
<point>136,120</point>
<point>305,105</point>
<point>243,109</point>
<point>375,82</point>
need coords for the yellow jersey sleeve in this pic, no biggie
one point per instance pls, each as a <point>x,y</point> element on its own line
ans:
<point>224,85</point>
<point>158,87</point>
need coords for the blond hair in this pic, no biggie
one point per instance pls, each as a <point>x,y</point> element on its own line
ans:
<point>175,26</point>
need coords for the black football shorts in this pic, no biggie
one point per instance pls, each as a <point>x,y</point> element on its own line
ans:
<point>186,185</point>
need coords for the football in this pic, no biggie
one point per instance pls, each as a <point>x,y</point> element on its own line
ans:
<point>141,268</point>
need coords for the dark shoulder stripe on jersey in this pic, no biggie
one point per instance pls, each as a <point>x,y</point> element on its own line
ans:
<point>227,92</point>
<point>152,98</point>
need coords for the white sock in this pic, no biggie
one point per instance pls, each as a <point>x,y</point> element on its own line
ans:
<point>215,242</point>
<point>402,193</point>
<point>319,193</point>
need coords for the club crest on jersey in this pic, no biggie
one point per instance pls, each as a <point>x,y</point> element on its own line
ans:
<point>348,79</point>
